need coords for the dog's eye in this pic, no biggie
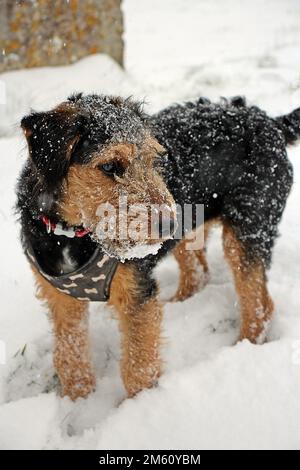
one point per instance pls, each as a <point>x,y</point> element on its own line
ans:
<point>112,168</point>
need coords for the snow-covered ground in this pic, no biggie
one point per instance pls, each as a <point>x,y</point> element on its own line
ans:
<point>214,393</point>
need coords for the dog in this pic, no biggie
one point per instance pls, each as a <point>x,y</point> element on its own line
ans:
<point>88,151</point>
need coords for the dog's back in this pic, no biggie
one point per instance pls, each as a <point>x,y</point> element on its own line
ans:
<point>231,158</point>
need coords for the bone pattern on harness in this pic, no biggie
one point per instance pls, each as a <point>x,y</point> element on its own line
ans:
<point>88,282</point>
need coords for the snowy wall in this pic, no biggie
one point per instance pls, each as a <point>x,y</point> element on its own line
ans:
<point>47,32</point>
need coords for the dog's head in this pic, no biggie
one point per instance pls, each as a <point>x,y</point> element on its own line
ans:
<point>98,165</point>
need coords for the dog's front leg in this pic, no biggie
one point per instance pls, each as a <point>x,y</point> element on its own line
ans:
<point>71,350</point>
<point>140,316</point>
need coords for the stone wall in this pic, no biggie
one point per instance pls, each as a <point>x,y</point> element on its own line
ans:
<point>36,33</point>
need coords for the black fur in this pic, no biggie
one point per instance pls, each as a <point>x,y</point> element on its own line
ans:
<point>50,135</point>
<point>228,156</point>
<point>91,122</point>
<point>231,158</point>
<point>290,124</point>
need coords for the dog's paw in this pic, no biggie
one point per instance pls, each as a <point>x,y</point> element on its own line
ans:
<point>137,379</point>
<point>78,387</point>
<point>189,289</point>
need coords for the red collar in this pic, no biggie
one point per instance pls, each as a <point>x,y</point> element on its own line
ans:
<point>60,229</point>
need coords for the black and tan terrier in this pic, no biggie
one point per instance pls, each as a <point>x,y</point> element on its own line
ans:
<point>89,151</point>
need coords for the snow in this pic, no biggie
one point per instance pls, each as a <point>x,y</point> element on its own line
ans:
<point>20,428</point>
<point>214,393</point>
<point>43,88</point>
<point>140,251</point>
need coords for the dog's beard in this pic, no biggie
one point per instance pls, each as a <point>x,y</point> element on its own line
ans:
<point>126,250</point>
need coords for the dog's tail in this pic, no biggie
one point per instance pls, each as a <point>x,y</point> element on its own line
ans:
<point>290,126</point>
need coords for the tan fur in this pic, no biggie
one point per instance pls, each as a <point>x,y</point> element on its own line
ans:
<point>86,186</point>
<point>140,329</point>
<point>191,278</point>
<point>71,352</point>
<point>250,281</point>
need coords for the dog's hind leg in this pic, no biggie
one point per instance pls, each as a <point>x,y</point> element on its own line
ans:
<point>251,285</point>
<point>193,271</point>
<point>134,296</point>
<point>71,351</point>
<point>193,268</point>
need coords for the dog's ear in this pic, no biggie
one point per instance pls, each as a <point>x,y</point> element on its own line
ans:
<point>51,138</point>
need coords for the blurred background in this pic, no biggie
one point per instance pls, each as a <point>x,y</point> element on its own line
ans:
<point>157,50</point>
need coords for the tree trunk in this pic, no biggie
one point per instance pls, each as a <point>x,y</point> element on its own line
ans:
<point>58,32</point>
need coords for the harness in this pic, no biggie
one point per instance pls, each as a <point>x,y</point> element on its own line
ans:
<point>88,282</point>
